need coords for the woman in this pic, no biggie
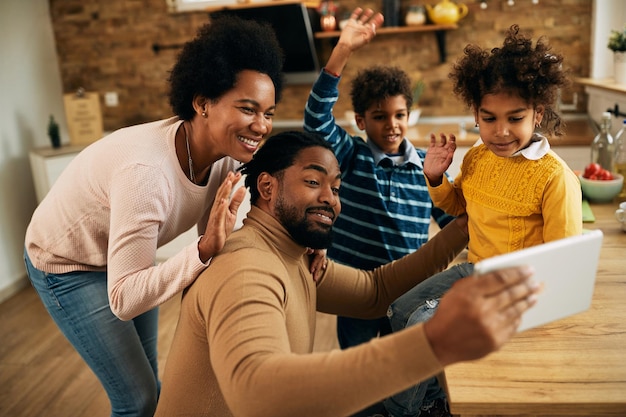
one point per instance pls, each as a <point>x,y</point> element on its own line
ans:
<point>91,245</point>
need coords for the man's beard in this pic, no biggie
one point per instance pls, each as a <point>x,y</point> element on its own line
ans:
<point>300,230</point>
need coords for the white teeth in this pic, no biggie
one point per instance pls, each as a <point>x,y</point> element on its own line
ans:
<point>248,141</point>
<point>325,217</point>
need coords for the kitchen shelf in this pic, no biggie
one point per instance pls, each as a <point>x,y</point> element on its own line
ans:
<point>439,30</point>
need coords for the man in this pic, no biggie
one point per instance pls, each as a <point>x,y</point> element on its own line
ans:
<point>244,340</point>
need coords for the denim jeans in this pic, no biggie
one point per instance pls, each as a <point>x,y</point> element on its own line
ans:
<point>122,354</point>
<point>417,306</point>
<point>353,332</point>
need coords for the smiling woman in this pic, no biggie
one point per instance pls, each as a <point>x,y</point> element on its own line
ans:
<point>92,242</point>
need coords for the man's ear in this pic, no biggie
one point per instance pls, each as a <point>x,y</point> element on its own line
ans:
<point>265,184</point>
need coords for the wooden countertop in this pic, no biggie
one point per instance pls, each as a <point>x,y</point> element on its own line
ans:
<point>577,133</point>
<point>608,84</point>
<point>572,367</point>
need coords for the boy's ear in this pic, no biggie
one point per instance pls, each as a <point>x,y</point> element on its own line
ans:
<point>360,121</point>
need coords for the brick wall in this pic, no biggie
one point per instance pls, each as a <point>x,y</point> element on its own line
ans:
<point>107,46</point>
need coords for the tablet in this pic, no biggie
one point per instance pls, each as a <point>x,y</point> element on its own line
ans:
<point>567,270</point>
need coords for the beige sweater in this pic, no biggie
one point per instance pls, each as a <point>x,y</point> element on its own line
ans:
<point>118,201</point>
<point>245,333</point>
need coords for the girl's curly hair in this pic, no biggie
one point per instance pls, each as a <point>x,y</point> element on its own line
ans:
<point>533,73</point>
<point>209,64</point>
<point>378,83</point>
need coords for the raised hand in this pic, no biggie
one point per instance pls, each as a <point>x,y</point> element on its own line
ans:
<point>360,29</point>
<point>438,157</point>
<point>222,217</point>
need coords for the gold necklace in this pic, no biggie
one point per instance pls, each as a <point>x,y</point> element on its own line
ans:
<point>192,177</point>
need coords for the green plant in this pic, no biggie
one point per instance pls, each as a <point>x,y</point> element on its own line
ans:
<point>418,90</point>
<point>617,40</point>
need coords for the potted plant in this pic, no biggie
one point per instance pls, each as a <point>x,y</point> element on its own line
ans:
<point>617,44</point>
<point>415,111</point>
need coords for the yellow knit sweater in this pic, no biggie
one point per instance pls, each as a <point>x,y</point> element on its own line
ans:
<point>512,203</point>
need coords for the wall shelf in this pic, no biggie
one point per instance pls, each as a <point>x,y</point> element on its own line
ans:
<point>439,30</point>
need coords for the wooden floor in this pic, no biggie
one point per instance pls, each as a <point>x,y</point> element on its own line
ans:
<point>42,375</point>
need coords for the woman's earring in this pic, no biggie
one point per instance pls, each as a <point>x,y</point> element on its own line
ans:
<point>204,114</point>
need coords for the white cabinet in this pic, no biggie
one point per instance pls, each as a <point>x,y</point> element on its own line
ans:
<point>47,164</point>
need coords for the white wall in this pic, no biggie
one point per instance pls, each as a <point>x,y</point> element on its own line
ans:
<point>607,15</point>
<point>30,86</point>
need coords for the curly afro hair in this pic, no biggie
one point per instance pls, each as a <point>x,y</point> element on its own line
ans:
<point>533,73</point>
<point>378,83</point>
<point>277,154</point>
<point>209,64</point>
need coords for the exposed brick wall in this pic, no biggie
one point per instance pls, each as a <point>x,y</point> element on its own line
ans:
<point>107,46</point>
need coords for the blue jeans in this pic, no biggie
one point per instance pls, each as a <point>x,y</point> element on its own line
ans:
<point>353,332</point>
<point>122,354</point>
<point>417,306</point>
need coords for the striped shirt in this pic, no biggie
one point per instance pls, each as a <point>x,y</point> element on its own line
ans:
<point>386,208</point>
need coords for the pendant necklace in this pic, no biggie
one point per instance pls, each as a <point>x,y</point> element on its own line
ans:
<point>192,177</point>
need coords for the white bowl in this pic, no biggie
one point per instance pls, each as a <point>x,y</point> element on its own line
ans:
<point>601,191</point>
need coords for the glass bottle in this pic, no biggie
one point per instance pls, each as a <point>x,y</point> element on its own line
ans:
<point>602,147</point>
<point>619,160</point>
<point>53,132</point>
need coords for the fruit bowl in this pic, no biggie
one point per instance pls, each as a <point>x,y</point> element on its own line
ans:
<point>601,191</point>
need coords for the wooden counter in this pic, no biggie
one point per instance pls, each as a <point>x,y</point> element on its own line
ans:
<point>572,367</point>
<point>607,84</point>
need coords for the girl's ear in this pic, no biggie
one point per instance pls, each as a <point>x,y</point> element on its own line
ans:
<point>539,112</point>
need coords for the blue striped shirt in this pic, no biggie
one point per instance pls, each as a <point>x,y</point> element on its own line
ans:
<point>386,208</point>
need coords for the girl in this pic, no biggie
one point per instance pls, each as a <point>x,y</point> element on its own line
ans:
<point>515,190</point>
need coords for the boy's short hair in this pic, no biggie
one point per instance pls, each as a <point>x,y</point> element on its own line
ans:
<point>378,83</point>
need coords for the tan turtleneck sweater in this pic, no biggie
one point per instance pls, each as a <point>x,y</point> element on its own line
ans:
<point>243,345</point>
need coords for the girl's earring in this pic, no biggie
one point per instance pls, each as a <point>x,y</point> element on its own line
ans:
<point>476,125</point>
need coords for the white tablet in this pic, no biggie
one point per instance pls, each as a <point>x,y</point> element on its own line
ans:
<point>566,268</point>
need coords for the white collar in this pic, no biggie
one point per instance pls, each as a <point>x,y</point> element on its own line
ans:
<point>537,149</point>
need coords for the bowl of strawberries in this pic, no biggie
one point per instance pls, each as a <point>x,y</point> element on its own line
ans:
<point>600,185</point>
